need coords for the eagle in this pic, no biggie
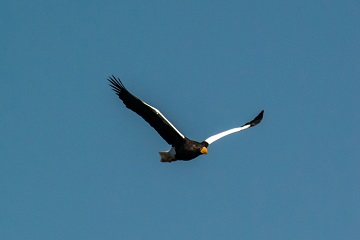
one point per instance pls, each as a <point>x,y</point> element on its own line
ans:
<point>182,148</point>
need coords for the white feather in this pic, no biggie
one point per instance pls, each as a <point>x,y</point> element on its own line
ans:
<point>225,133</point>
<point>164,118</point>
<point>168,156</point>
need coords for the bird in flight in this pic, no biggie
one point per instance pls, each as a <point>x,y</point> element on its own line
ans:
<point>182,148</point>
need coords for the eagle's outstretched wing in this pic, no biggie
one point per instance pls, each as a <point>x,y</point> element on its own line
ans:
<point>247,125</point>
<point>150,114</point>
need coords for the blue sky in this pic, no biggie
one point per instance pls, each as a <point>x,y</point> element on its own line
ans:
<point>76,164</point>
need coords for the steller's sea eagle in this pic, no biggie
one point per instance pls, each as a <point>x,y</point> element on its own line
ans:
<point>182,147</point>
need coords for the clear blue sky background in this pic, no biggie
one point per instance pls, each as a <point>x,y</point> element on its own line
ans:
<point>76,164</point>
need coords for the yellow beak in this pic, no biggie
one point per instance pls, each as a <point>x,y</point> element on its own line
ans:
<point>204,150</point>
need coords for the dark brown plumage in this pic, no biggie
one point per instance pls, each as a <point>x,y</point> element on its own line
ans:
<point>182,147</point>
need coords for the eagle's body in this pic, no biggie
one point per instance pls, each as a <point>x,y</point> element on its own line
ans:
<point>182,147</point>
<point>187,150</point>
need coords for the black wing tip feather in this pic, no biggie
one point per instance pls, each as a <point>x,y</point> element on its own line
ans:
<point>256,120</point>
<point>116,84</point>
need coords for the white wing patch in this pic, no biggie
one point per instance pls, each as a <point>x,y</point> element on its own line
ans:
<point>164,118</point>
<point>225,133</point>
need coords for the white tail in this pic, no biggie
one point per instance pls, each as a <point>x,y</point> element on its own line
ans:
<point>168,156</point>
